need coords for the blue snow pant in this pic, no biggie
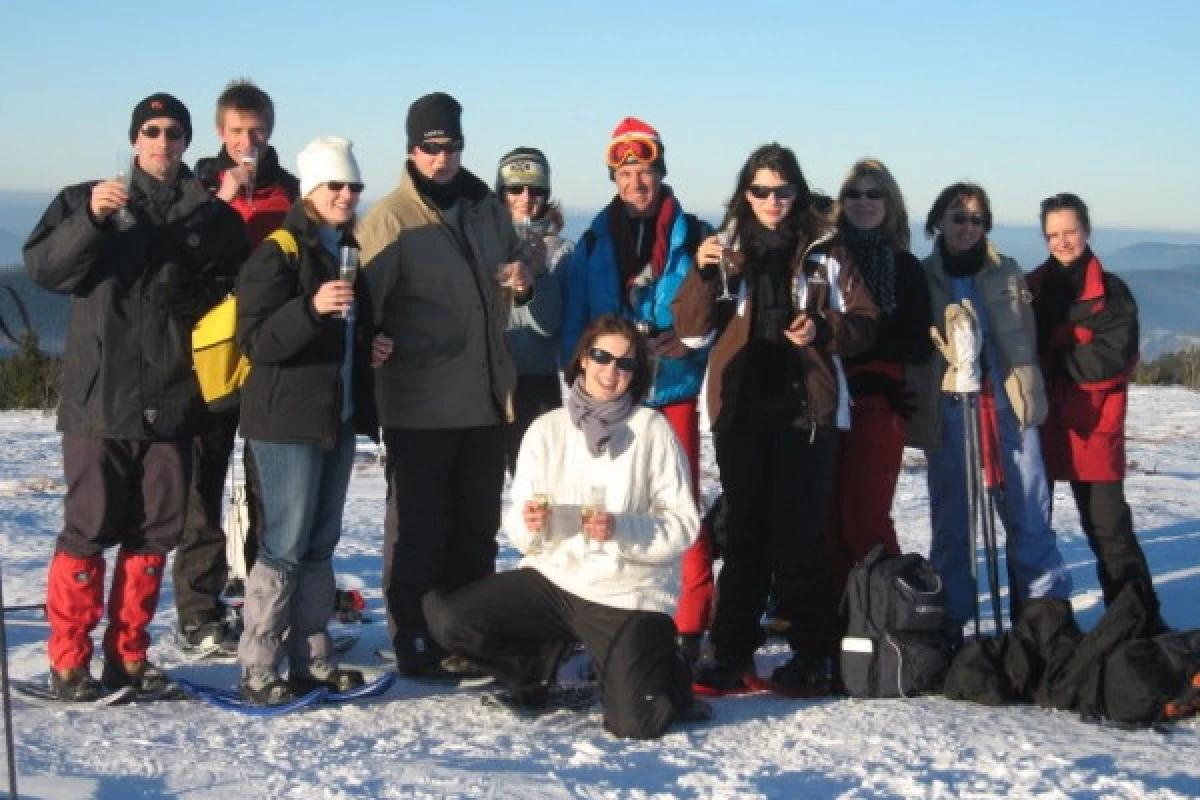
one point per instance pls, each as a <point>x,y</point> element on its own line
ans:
<point>1032,552</point>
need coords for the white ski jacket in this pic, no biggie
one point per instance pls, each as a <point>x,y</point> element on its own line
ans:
<point>645,477</point>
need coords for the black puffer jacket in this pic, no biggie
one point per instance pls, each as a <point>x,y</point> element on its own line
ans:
<point>294,392</point>
<point>134,299</point>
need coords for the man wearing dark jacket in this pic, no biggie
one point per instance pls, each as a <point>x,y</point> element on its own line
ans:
<point>435,251</point>
<point>141,265</point>
<point>247,176</point>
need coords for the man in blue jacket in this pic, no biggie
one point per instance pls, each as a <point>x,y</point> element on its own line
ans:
<point>631,261</point>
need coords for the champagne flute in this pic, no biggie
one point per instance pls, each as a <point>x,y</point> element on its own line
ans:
<point>725,239</point>
<point>123,219</point>
<point>348,271</point>
<point>540,499</point>
<point>250,162</point>
<point>594,504</point>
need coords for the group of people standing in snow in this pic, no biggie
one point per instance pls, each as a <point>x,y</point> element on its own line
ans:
<point>805,318</point>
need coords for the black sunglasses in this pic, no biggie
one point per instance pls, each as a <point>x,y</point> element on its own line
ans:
<point>604,358</point>
<point>337,186</point>
<point>534,191</point>
<point>870,194</point>
<point>436,148</point>
<point>173,132</point>
<point>962,218</point>
<point>784,192</point>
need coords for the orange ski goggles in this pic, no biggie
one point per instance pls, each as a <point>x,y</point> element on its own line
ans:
<point>635,149</point>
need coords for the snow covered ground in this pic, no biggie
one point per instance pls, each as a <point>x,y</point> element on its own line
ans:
<point>420,742</point>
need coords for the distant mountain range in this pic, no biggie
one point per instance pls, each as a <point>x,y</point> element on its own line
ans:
<point>1162,269</point>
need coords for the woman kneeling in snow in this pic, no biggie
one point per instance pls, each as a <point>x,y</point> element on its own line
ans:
<point>602,509</point>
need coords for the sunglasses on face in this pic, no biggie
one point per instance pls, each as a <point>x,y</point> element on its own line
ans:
<point>632,150</point>
<point>437,148</point>
<point>784,192</point>
<point>604,358</point>
<point>962,218</point>
<point>173,132</point>
<point>870,194</point>
<point>534,191</point>
<point>337,186</point>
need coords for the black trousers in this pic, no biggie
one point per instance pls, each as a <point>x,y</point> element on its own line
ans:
<point>777,481</point>
<point>1108,524</point>
<point>443,514</point>
<point>127,492</point>
<point>517,625</point>
<point>201,569</point>
<point>535,395</point>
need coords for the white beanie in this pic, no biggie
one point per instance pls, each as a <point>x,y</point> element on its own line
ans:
<point>328,158</point>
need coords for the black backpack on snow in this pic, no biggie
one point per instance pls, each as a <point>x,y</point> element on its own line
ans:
<point>896,643</point>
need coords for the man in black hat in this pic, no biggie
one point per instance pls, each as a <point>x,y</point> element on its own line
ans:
<point>441,258</point>
<point>141,263</point>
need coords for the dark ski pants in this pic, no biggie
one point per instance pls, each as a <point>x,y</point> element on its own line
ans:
<point>1108,524</point>
<point>127,492</point>
<point>777,481</point>
<point>517,626</point>
<point>200,568</point>
<point>443,514</point>
<point>534,396</point>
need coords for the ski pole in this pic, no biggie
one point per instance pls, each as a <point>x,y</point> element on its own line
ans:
<point>969,460</point>
<point>9,745</point>
<point>987,512</point>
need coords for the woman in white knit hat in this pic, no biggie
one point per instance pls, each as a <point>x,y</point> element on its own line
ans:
<point>308,335</point>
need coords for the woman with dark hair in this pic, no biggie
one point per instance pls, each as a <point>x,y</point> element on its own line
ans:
<point>602,508</point>
<point>309,335</point>
<point>1087,340</point>
<point>964,266</point>
<point>523,183</point>
<point>777,396</point>
<point>872,224</point>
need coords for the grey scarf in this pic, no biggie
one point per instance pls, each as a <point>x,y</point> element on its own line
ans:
<point>596,419</point>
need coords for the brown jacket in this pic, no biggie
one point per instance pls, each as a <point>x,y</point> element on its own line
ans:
<point>1009,311</point>
<point>433,287</point>
<point>846,327</point>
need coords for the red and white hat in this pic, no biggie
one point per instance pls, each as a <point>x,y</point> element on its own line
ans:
<point>635,142</point>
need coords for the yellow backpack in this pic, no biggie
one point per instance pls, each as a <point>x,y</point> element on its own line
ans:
<point>221,368</point>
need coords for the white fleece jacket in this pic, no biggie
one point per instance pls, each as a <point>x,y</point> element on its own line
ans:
<point>648,491</point>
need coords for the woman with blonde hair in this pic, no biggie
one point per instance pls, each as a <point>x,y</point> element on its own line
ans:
<point>308,334</point>
<point>872,224</point>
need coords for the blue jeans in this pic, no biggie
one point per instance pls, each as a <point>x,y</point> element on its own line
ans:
<point>1032,552</point>
<point>303,495</point>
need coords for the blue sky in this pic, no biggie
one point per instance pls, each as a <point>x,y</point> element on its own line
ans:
<point>1026,98</point>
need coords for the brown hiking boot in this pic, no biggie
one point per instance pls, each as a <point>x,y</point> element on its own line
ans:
<point>143,676</point>
<point>75,685</point>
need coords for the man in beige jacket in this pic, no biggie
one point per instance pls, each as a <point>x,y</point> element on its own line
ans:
<point>442,264</point>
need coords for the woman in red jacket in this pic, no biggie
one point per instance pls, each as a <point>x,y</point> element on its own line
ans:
<point>1087,331</point>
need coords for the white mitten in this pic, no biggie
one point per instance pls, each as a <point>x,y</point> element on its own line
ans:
<point>961,348</point>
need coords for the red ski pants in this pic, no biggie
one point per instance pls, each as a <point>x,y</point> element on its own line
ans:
<point>696,595</point>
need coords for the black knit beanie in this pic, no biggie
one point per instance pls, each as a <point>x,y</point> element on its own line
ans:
<point>160,104</point>
<point>433,116</point>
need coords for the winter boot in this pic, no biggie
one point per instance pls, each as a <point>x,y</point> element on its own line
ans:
<point>143,676</point>
<point>805,674</point>
<point>723,674</point>
<point>323,673</point>
<point>75,685</point>
<point>132,601</point>
<point>74,605</point>
<point>263,686</point>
